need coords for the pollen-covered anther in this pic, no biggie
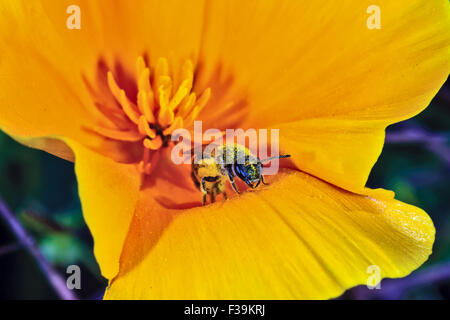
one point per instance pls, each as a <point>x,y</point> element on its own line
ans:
<point>163,104</point>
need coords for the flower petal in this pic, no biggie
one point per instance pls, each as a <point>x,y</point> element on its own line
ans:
<point>41,89</point>
<point>44,99</point>
<point>301,60</point>
<point>298,238</point>
<point>341,152</point>
<point>109,192</point>
<point>170,29</point>
<point>45,65</point>
<point>53,146</point>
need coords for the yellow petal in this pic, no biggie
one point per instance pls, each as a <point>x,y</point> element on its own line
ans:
<point>341,152</point>
<point>42,93</point>
<point>302,60</point>
<point>42,62</point>
<point>108,191</point>
<point>53,146</point>
<point>36,97</point>
<point>170,28</point>
<point>298,238</point>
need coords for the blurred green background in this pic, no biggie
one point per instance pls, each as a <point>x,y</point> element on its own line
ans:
<point>41,190</point>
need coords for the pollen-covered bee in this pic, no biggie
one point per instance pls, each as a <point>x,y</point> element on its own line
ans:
<point>227,161</point>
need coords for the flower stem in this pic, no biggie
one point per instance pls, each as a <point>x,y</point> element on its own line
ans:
<point>396,289</point>
<point>25,240</point>
<point>434,142</point>
<point>4,250</point>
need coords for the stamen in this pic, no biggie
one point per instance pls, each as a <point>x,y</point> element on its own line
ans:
<point>179,95</point>
<point>144,165</point>
<point>115,115</point>
<point>162,70</point>
<point>113,87</point>
<point>186,105</point>
<point>140,66</point>
<point>204,98</point>
<point>154,144</point>
<point>162,106</point>
<point>145,129</point>
<point>177,124</point>
<point>144,81</point>
<point>128,107</point>
<point>145,105</point>
<point>123,100</point>
<point>166,116</point>
<point>131,136</point>
<point>187,73</point>
<point>149,161</point>
<point>164,91</point>
<point>201,103</point>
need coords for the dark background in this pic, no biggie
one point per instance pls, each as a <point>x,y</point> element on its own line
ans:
<point>41,190</point>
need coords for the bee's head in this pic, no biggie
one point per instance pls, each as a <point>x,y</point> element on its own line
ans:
<point>250,173</point>
<point>207,168</point>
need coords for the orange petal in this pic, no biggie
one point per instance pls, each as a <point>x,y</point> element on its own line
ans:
<point>298,238</point>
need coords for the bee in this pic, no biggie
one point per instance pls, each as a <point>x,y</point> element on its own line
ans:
<point>211,173</point>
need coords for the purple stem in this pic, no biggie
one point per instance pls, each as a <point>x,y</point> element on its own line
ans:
<point>55,280</point>
<point>444,94</point>
<point>395,289</point>
<point>436,143</point>
<point>9,248</point>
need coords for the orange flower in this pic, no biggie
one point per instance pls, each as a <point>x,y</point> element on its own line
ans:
<point>110,94</point>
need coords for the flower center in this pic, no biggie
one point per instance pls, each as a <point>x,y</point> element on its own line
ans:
<point>163,104</point>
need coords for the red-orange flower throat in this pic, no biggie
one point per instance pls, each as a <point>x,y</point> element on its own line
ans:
<point>163,104</point>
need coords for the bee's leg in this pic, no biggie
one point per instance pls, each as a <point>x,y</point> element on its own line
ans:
<point>203,189</point>
<point>263,182</point>
<point>230,176</point>
<point>194,179</point>
<point>203,186</point>
<point>220,189</point>
<point>212,195</point>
